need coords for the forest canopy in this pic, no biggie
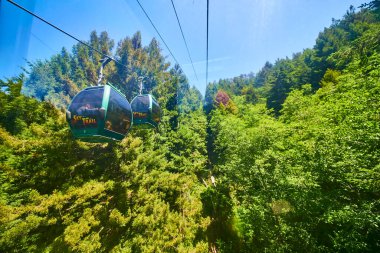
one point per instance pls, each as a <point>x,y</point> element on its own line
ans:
<point>283,160</point>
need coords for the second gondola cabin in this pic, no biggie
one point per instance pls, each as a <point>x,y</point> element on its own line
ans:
<point>146,112</point>
<point>99,114</point>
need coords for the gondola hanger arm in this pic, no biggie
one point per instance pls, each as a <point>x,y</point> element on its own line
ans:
<point>141,78</point>
<point>104,62</point>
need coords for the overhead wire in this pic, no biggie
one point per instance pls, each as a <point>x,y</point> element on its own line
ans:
<point>42,42</point>
<point>86,44</point>
<point>183,37</point>
<point>66,33</point>
<point>207,43</point>
<point>159,34</point>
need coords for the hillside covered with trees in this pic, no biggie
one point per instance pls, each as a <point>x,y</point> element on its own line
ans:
<point>283,160</point>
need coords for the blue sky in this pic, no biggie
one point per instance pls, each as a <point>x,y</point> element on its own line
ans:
<point>243,34</point>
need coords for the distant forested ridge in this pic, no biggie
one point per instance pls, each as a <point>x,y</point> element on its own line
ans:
<point>283,160</point>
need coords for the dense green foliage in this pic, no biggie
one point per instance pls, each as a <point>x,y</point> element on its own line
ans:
<point>301,164</point>
<point>285,160</point>
<point>60,195</point>
<point>140,195</point>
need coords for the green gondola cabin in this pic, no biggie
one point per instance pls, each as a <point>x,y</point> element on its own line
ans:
<point>99,114</point>
<point>146,112</point>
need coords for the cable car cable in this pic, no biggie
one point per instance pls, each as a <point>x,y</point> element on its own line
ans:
<point>207,44</point>
<point>183,36</point>
<point>84,43</point>
<point>66,33</point>
<point>42,42</point>
<point>151,22</point>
